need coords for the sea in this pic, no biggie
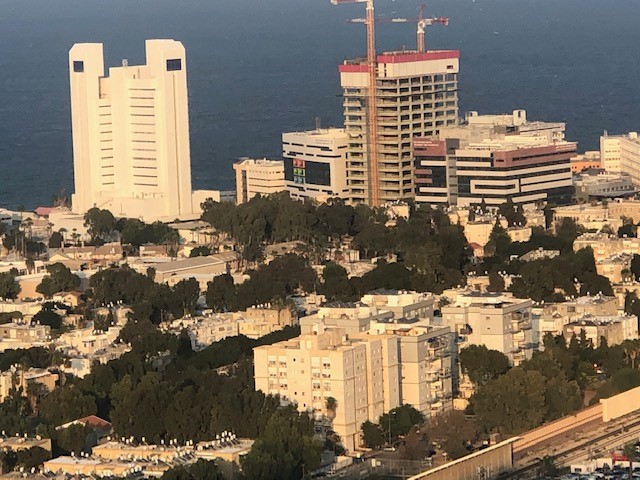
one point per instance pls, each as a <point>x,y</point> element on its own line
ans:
<point>257,68</point>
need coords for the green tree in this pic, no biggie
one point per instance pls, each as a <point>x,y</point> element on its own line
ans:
<point>372,435</point>
<point>453,432</point>
<point>221,293</point>
<point>336,285</point>
<point>76,439</point>
<point>285,450</point>
<point>32,457</point>
<point>65,404</point>
<point>496,282</point>
<point>400,420</point>
<point>47,316</point>
<point>9,287</point>
<point>200,251</point>
<point>482,364</point>
<point>100,224</point>
<point>512,403</point>
<point>59,279</point>
<point>56,240</point>
<point>187,292</point>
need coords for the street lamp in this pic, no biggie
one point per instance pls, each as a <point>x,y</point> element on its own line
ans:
<point>389,416</point>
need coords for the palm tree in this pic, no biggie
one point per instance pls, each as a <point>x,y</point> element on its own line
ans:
<point>331,405</point>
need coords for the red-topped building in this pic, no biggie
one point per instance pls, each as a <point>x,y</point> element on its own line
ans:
<point>416,96</point>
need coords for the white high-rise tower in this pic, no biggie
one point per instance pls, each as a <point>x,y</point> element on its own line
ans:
<point>131,133</point>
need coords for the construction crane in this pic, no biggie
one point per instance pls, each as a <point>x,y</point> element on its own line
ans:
<point>372,131</point>
<point>420,21</point>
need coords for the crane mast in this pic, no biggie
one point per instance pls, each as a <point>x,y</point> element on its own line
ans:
<point>372,112</point>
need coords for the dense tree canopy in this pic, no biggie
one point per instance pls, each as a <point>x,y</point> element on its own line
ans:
<point>9,288</point>
<point>59,279</point>
<point>482,364</point>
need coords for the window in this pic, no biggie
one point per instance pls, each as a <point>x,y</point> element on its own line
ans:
<point>78,66</point>
<point>174,64</point>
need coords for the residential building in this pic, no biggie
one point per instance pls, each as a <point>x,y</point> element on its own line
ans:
<point>402,304</point>
<point>617,267</point>
<point>362,373</point>
<point>24,332</point>
<point>261,320</point>
<point>552,318</point>
<point>258,177</point>
<point>597,186</point>
<point>416,95</point>
<point>591,217</point>
<point>24,380</point>
<point>586,161</point>
<point>427,358</point>
<point>493,158</point>
<point>610,152</point>
<point>539,254</point>
<point>605,245</point>
<point>351,317</point>
<point>87,341</point>
<point>315,163</point>
<point>15,444</point>
<point>131,133</point>
<point>201,268</point>
<point>497,320</point>
<point>615,329</point>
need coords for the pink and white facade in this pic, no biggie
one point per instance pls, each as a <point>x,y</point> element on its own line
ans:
<point>416,96</point>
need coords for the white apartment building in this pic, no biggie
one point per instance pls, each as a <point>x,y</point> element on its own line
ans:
<point>416,96</point>
<point>621,154</point>
<point>493,158</point>
<point>497,320</point>
<point>131,133</point>
<point>315,163</point>
<point>362,373</point>
<point>258,177</point>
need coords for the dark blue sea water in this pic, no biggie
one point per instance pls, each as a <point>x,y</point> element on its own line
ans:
<point>260,67</point>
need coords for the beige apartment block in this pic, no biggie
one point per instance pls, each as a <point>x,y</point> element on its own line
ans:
<point>361,373</point>
<point>24,332</point>
<point>604,245</point>
<point>131,132</point>
<point>257,321</point>
<point>552,318</point>
<point>427,358</point>
<point>615,329</point>
<point>25,379</point>
<point>351,317</point>
<point>497,320</point>
<point>258,177</point>
<point>15,444</point>
<point>315,163</point>
<point>617,267</point>
<point>402,304</point>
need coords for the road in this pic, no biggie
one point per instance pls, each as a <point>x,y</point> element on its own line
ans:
<point>580,446</point>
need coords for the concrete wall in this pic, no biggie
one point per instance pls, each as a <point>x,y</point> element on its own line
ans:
<point>559,427</point>
<point>487,463</point>
<point>620,405</point>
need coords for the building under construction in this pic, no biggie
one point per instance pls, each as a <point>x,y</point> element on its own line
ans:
<point>415,95</point>
<point>389,100</point>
